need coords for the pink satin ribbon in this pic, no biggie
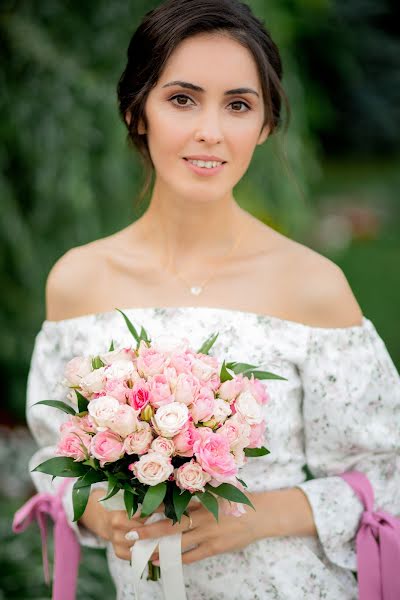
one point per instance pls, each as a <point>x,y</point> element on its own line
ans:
<point>377,545</point>
<point>66,545</point>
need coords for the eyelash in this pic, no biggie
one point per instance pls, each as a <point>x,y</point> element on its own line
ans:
<point>186,106</point>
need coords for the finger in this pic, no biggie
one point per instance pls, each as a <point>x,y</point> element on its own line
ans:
<point>198,553</point>
<point>190,539</point>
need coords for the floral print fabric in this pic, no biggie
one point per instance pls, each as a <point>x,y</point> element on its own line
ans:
<point>338,410</point>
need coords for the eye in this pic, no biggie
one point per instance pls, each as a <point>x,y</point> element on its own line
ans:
<point>180,96</point>
<point>185,105</point>
<point>241,102</point>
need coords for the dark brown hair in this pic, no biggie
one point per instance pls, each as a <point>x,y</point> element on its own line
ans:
<point>158,35</point>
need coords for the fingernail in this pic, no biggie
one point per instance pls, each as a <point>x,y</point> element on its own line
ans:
<point>132,535</point>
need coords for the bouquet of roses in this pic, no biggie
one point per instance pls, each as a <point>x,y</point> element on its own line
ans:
<point>161,423</point>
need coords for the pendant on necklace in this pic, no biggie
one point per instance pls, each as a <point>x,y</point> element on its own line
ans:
<point>196,290</point>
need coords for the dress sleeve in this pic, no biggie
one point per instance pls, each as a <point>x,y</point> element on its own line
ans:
<point>44,383</point>
<point>351,410</point>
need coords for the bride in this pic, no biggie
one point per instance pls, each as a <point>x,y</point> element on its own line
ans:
<point>200,91</point>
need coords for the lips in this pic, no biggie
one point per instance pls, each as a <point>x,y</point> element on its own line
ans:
<point>205,158</point>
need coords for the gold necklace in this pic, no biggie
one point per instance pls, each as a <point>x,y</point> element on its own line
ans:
<point>196,290</point>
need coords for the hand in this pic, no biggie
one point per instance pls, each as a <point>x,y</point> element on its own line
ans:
<point>110,525</point>
<point>207,536</point>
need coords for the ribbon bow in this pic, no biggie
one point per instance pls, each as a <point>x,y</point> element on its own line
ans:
<point>66,545</point>
<point>377,545</point>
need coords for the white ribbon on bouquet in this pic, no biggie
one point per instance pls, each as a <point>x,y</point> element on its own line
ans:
<point>169,550</point>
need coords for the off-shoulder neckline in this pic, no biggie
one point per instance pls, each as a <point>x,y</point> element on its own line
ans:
<point>271,318</point>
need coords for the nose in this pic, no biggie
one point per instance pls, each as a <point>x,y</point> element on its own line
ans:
<point>209,128</point>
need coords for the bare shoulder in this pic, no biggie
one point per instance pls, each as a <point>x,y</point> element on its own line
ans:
<point>72,281</point>
<point>326,297</point>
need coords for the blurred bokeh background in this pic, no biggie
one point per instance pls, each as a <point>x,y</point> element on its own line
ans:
<point>67,177</point>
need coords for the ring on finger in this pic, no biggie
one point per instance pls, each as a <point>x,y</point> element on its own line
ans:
<point>190,521</point>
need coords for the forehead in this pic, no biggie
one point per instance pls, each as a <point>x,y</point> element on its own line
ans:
<point>212,60</point>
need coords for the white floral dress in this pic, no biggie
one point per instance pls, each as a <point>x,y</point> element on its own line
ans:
<point>338,410</point>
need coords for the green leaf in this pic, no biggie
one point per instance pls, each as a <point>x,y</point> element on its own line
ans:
<point>240,367</point>
<point>130,326</point>
<point>62,466</point>
<point>113,487</point>
<point>111,348</point>
<point>131,503</point>
<point>90,477</point>
<point>242,482</point>
<point>181,500</point>
<point>209,502</point>
<point>153,498</point>
<point>82,402</point>
<point>224,374</point>
<point>144,336</point>
<point>256,451</point>
<point>206,346</point>
<point>92,462</point>
<point>97,363</point>
<point>248,369</point>
<point>263,375</point>
<point>80,497</point>
<point>230,492</point>
<point>58,404</point>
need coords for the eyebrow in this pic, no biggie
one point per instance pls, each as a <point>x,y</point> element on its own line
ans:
<point>197,88</point>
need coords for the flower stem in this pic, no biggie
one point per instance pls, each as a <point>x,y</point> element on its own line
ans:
<point>154,572</point>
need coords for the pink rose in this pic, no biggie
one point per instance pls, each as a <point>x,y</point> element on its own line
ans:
<point>236,431</point>
<point>228,390</point>
<point>160,391</point>
<point>75,444</point>
<point>150,362</point>
<point>140,440</point>
<point>118,389</point>
<point>106,446</point>
<point>139,395</point>
<point>187,386</point>
<point>202,408</point>
<point>152,468</point>
<point>258,390</point>
<point>190,476</point>
<point>185,439</point>
<point>124,421</point>
<point>206,368</point>
<point>163,445</point>
<point>181,362</point>
<point>213,453</point>
<point>257,434</point>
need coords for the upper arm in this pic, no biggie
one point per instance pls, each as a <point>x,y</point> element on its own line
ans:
<point>329,299</point>
<point>67,284</point>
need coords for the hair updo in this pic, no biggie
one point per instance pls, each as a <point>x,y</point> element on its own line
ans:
<point>161,31</point>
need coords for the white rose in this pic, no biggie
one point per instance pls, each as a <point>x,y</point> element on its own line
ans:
<point>93,382</point>
<point>163,445</point>
<point>202,370</point>
<point>190,476</point>
<point>122,355</point>
<point>247,406</point>
<point>139,441</point>
<point>75,369</point>
<point>170,418</point>
<point>152,468</point>
<point>222,410</point>
<point>124,421</point>
<point>103,410</point>
<point>120,369</point>
<point>168,344</point>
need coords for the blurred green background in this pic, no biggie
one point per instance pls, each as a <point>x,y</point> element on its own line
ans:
<point>67,177</point>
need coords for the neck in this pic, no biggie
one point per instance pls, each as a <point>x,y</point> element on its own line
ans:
<point>184,233</point>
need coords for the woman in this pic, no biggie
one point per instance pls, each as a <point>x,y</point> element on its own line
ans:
<point>200,91</point>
